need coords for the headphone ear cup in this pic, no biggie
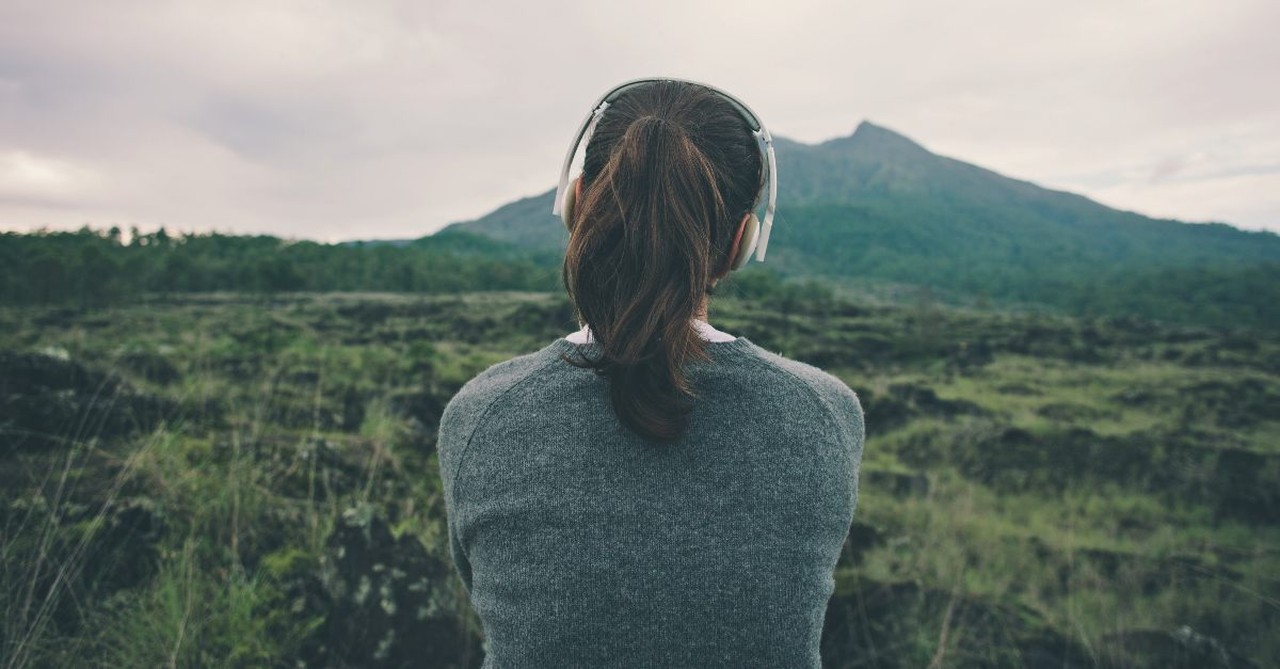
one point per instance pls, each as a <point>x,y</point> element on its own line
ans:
<point>570,199</point>
<point>747,245</point>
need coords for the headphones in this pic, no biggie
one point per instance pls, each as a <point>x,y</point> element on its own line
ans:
<point>755,236</point>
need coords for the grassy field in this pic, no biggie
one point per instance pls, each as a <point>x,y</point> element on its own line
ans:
<point>239,481</point>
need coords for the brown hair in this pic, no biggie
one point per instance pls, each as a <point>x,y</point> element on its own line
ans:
<point>669,172</point>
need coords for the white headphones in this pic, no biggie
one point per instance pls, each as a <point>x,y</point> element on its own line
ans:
<point>754,238</point>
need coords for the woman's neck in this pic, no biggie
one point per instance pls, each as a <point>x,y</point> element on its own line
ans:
<point>701,312</point>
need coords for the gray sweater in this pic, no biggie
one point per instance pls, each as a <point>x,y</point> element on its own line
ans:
<point>582,544</point>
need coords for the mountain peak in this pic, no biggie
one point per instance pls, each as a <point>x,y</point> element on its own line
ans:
<point>868,134</point>
<point>866,126</point>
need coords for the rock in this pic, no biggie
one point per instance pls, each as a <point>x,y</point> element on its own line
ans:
<point>1069,412</point>
<point>927,402</point>
<point>82,550</point>
<point>884,413</point>
<point>900,484</point>
<point>897,625</point>
<point>1016,388</point>
<point>387,605</point>
<point>1234,482</point>
<point>905,401</point>
<point>49,401</point>
<point>965,354</point>
<point>1183,648</point>
<point>544,320</point>
<point>368,312</point>
<point>418,404</point>
<point>1245,483</point>
<point>314,469</point>
<point>100,531</point>
<point>150,366</point>
<point>1235,404</point>
<point>862,538</point>
<point>352,408</point>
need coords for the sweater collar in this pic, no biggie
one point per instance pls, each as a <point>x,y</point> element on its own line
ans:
<point>709,333</point>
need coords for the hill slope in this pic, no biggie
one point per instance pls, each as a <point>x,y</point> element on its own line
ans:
<point>877,206</point>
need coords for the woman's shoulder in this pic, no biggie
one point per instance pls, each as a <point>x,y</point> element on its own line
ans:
<point>819,379</point>
<point>836,395</point>
<point>500,377</point>
<point>469,403</point>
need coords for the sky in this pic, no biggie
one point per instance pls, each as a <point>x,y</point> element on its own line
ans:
<point>382,119</point>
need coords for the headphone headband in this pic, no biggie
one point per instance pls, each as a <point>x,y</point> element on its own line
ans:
<point>757,128</point>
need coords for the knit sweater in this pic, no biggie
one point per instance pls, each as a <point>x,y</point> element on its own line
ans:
<point>582,544</point>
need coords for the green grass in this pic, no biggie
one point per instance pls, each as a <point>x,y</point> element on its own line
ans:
<point>270,396</point>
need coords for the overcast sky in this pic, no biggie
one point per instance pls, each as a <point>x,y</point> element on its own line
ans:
<point>370,119</point>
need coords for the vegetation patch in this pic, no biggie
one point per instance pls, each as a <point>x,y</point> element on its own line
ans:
<point>251,480</point>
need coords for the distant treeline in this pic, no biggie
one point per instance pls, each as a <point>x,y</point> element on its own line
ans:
<point>91,268</point>
<point>99,267</point>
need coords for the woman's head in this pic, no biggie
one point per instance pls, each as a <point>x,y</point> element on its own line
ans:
<point>670,175</point>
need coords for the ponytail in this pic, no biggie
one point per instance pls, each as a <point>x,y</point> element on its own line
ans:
<point>669,173</point>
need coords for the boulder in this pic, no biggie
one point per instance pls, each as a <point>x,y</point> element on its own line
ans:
<point>1183,648</point>
<point>47,401</point>
<point>387,604</point>
<point>890,625</point>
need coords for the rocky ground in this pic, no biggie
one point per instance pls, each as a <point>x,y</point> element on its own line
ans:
<point>233,481</point>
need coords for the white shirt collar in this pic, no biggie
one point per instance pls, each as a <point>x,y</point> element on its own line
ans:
<point>704,328</point>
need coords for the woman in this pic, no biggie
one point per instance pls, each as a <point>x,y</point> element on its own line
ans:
<point>651,491</point>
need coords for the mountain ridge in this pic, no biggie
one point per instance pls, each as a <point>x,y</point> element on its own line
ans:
<point>877,206</point>
<point>867,135</point>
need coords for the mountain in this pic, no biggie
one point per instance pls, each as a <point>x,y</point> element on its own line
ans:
<point>527,222</point>
<point>877,207</point>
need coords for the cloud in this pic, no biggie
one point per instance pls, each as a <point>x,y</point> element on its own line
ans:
<point>41,179</point>
<point>335,120</point>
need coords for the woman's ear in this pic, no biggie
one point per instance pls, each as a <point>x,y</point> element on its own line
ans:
<point>733,250</point>
<point>570,202</point>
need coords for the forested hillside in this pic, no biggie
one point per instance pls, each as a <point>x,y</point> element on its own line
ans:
<point>875,207</point>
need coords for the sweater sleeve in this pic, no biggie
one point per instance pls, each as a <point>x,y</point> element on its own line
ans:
<point>462,416</point>
<point>460,562</point>
<point>846,410</point>
<point>457,424</point>
<point>849,407</point>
